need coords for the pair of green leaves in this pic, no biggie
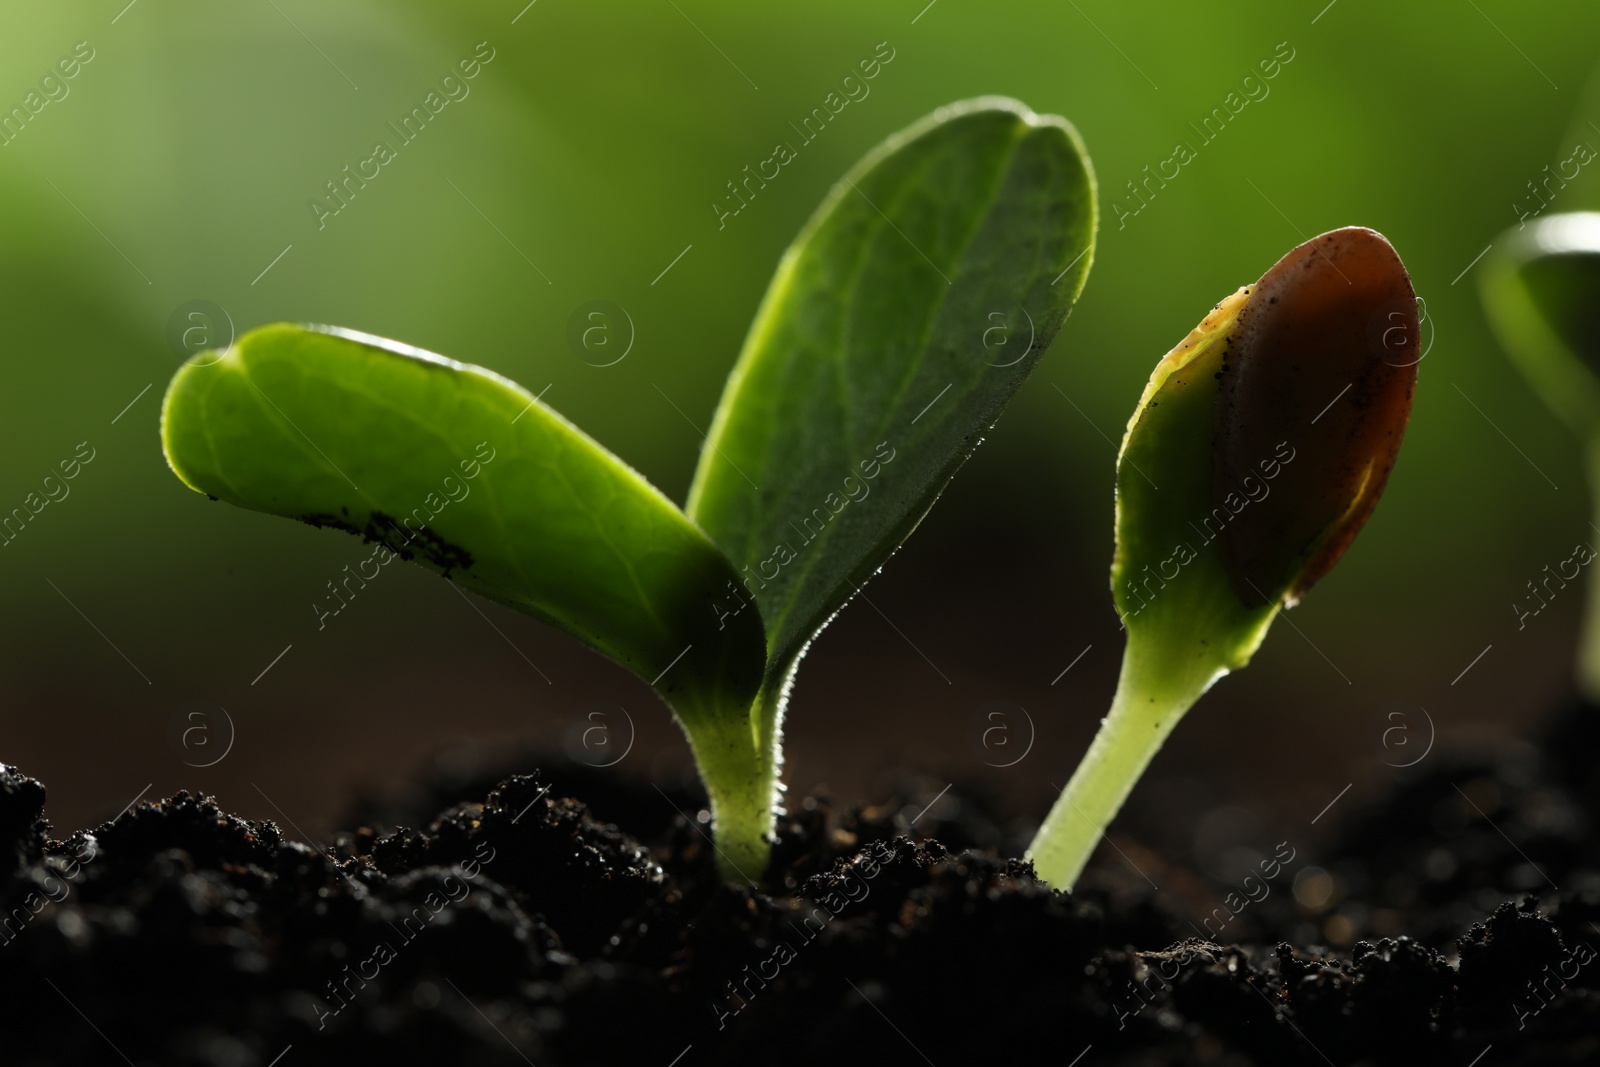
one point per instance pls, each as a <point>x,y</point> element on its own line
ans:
<point>907,312</point>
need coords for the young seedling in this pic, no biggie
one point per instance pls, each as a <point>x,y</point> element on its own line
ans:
<point>873,367</point>
<point>1257,452</point>
<point>1541,289</point>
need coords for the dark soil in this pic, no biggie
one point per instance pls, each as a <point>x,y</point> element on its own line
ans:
<point>518,927</point>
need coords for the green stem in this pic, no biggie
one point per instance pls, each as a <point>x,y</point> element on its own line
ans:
<point>739,762</point>
<point>739,785</point>
<point>1589,645</point>
<point>1155,689</point>
<point>741,820</point>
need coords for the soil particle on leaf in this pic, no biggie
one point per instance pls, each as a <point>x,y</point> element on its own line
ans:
<point>383,529</point>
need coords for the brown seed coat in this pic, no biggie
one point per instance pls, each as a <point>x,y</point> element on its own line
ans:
<point>1323,357</point>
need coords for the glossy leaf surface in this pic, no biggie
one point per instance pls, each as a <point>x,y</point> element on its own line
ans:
<point>466,473</point>
<point>905,315</point>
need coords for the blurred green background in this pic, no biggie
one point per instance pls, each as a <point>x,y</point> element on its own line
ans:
<point>180,164</point>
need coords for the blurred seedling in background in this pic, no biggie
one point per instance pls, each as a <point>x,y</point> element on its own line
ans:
<point>1257,452</point>
<point>1541,289</point>
<point>1540,286</point>
<point>867,378</point>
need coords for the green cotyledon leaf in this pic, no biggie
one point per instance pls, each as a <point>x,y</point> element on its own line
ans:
<point>907,312</point>
<point>467,474</point>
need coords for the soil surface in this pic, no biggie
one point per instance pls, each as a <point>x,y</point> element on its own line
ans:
<point>487,918</point>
